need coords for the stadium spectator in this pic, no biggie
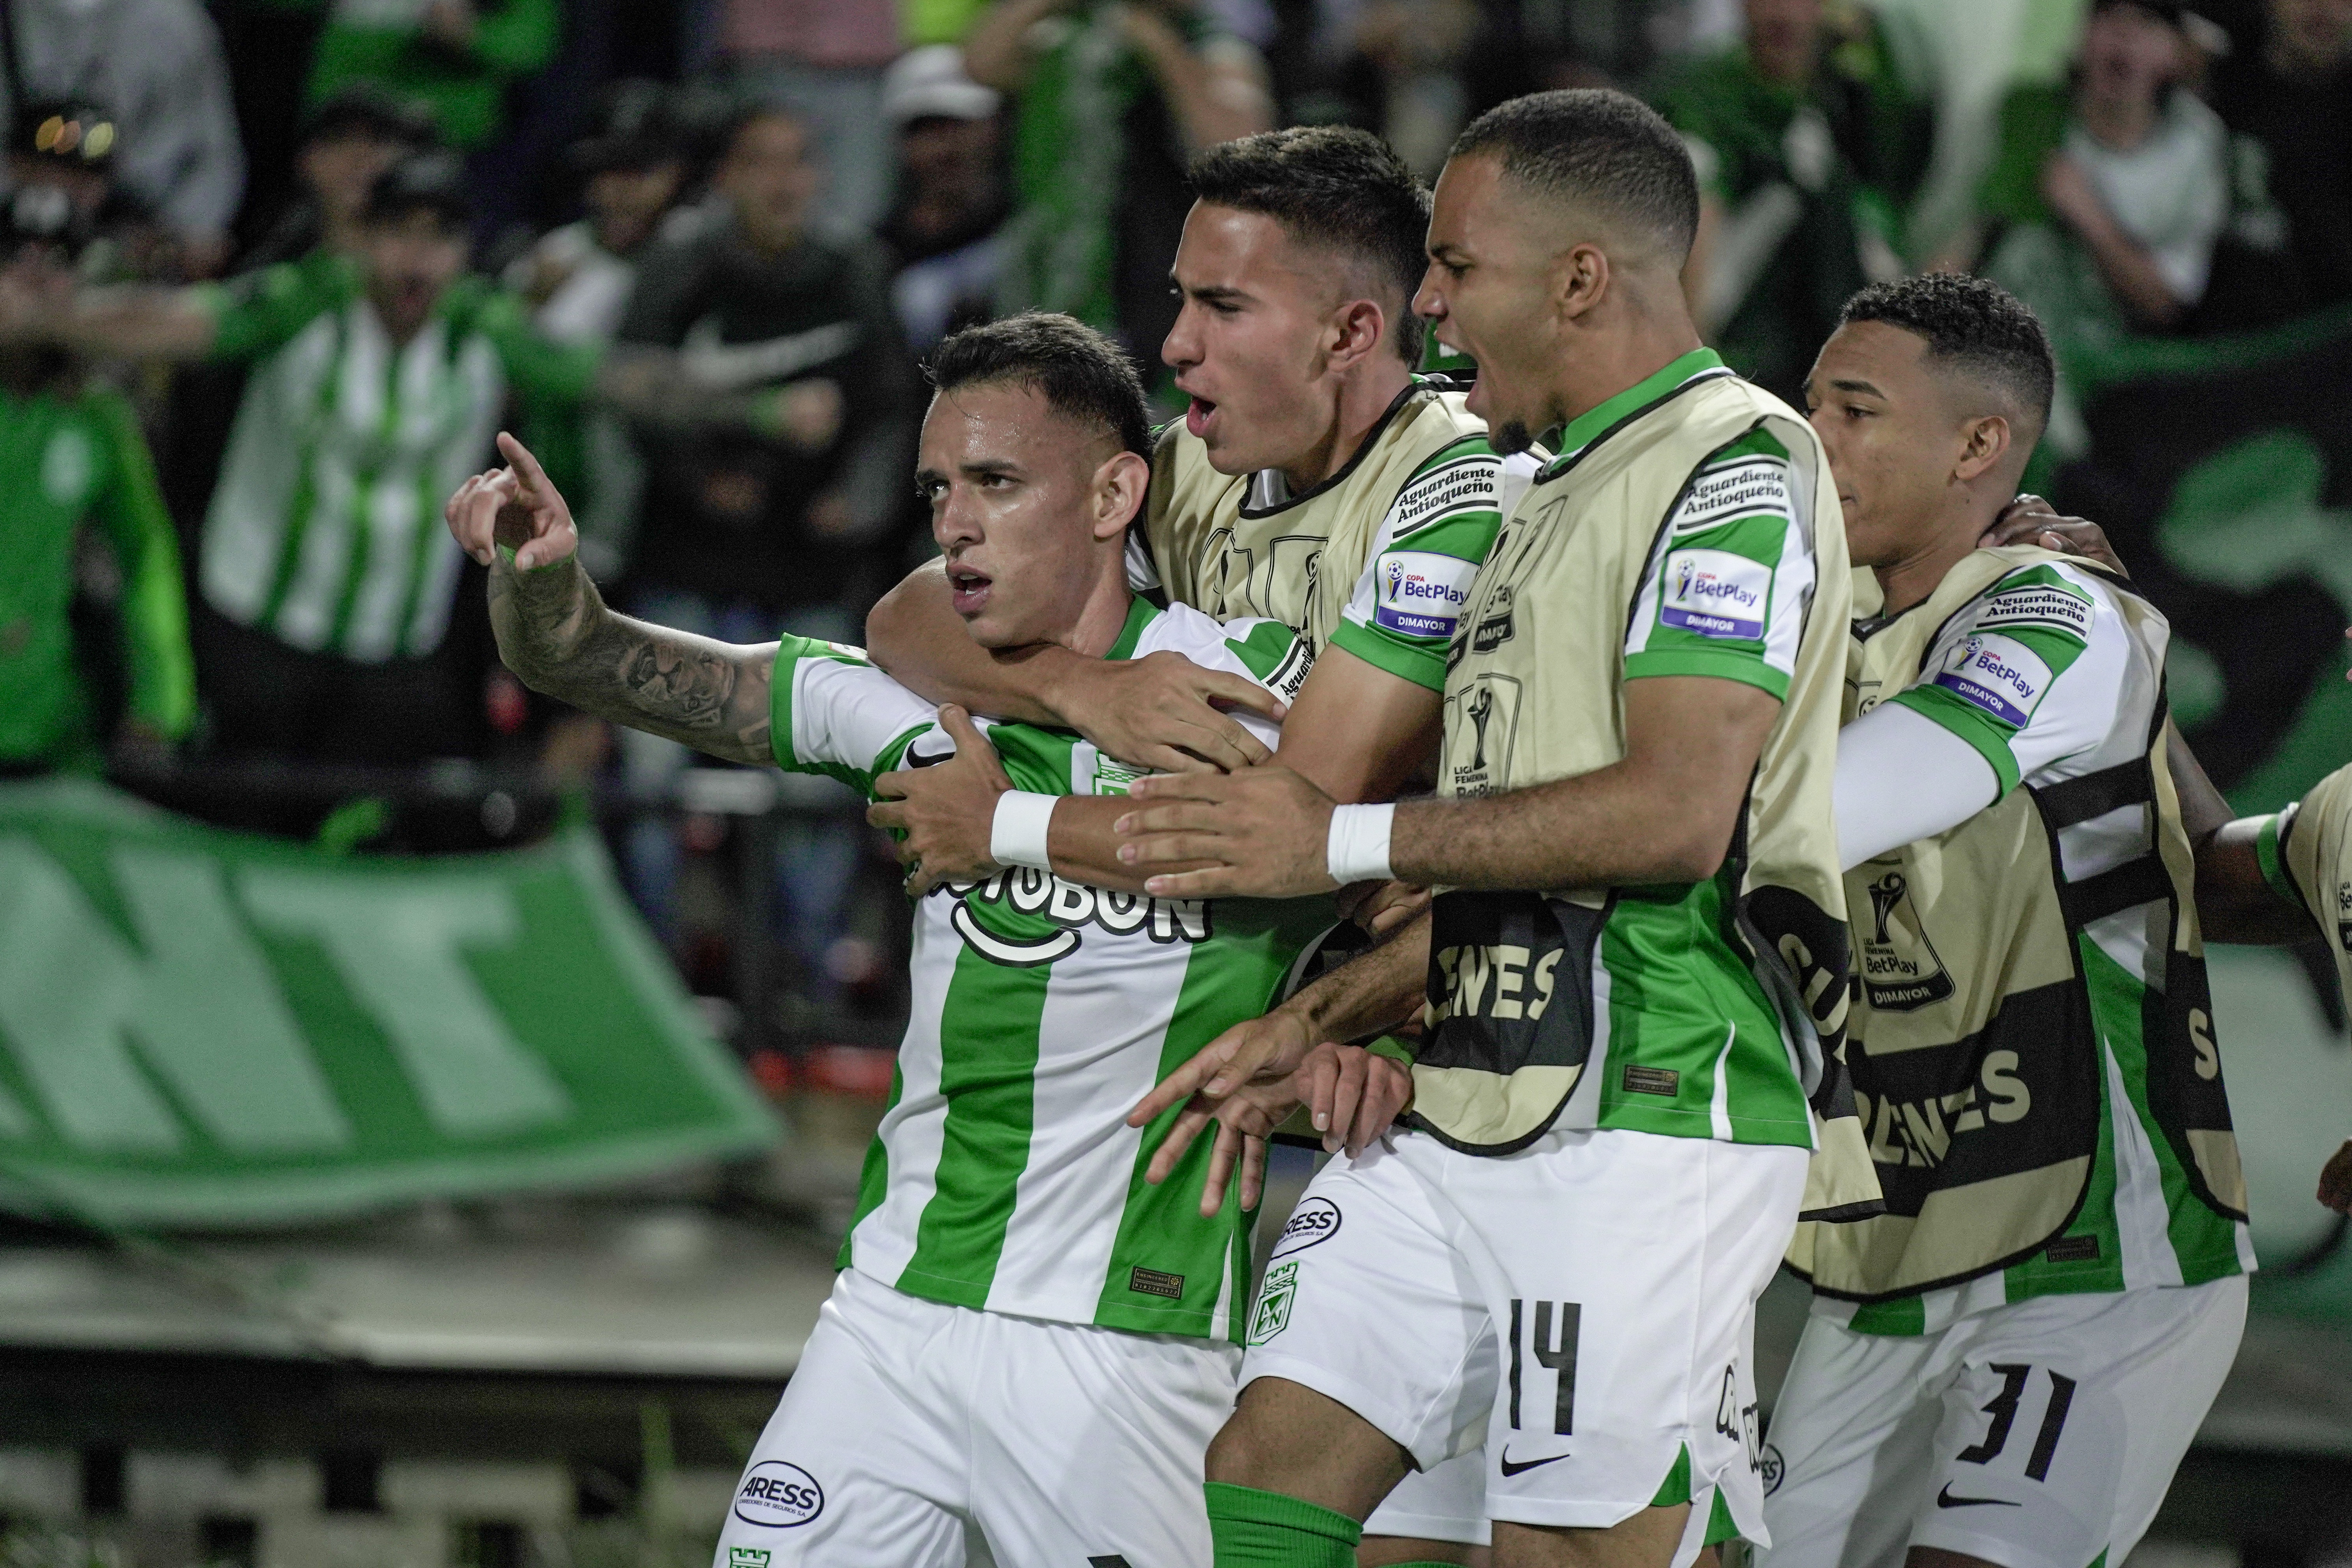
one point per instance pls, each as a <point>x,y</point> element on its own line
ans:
<point>1809,145</point>
<point>2290,97</point>
<point>454,57</point>
<point>743,535</point>
<point>577,280</point>
<point>942,230</point>
<point>822,61</point>
<point>1112,100</point>
<point>63,203</point>
<point>326,586</point>
<point>347,141</point>
<point>157,69</point>
<point>76,458</point>
<point>2110,192</point>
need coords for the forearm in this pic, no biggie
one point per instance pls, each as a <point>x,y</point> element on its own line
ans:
<point>1084,848</point>
<point>914,634</point>
<point>1611,828</point>
<point>2128,269</point>
<point>136,323</point>
<point>1210,101</point>
<point>555,632</point>
<point>1382,988</point>
<point>995,52</point>
<point>2235,902</point>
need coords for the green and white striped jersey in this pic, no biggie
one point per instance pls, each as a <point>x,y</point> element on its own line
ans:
<point>1004,1175</point>
<point>325,527</point>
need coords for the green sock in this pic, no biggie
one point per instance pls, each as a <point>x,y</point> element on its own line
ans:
<point>1252,1528</point>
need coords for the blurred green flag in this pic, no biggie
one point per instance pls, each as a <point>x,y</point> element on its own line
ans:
<point>205,1027</point>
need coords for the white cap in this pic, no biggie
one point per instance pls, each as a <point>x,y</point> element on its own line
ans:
<point>930,82</point>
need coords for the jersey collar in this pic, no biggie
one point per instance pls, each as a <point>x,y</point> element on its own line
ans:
<point>1277,491</point>
<point>1594,425</point>
<point>1141,612</point>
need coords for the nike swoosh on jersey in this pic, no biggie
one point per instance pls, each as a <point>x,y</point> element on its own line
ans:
<point>1946,1499</point>
<point>1511,1467</point>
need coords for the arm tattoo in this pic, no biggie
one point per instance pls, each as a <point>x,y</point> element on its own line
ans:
<point>556,633</point>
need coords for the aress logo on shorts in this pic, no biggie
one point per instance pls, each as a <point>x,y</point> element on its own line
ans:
<point>1314,1220</point>
<point>778,1496</point>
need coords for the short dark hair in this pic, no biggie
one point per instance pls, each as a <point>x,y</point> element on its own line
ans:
<point>426,182</point>
<point>1337,188</point>
<point>1596,147</point>
<point>1081,374</point>
<point>1972,325</point>
<point>361,110</point>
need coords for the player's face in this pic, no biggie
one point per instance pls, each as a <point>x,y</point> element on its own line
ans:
<point>411,259</point>
<point>1249,342</point>
<point>1013,486</point>
<point>1892,437</point>
<point>1487,294</point>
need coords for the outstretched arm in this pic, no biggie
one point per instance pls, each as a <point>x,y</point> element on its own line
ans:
<point>556,633</point>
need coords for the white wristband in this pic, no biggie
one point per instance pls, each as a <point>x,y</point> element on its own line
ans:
<point>1017,836</point>
<point>1358,848</point>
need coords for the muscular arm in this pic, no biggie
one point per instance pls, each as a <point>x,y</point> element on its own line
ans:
<point>555,632</point>
<point>914,636</point>
<point>136,323</point>
<point>1356,732</point>
<point>1664,813</point>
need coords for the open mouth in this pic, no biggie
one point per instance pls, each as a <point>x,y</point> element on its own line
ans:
<point>967,590</point>
<point>1197,416</point>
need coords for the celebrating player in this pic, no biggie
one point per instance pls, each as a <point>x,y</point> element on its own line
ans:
<point>2007,1366</point>
<point>1027,1335</point>
<point>1312,461</point>
<point>1316,479</point>
<point>1639,895</point>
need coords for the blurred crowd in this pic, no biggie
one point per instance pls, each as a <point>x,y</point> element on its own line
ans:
<point>278,270</point>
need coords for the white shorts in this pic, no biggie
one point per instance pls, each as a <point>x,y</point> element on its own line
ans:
<point>910,1424</point>
<point>1584,1309</point>
<point>2037,1435</point>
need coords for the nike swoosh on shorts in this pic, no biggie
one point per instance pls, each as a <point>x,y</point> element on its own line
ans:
<point>1946,1499</point>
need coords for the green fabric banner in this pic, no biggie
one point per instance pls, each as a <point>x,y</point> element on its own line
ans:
<point>200,1027</point>
<point>2222,467</point>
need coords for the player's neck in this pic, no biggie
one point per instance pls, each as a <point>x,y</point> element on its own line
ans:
<point>1364,397</point>
<point>1937,549</point>
<point>1095,630</point>
<point>1621,355</point>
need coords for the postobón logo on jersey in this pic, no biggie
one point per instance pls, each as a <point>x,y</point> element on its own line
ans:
<point>1314,1220</point>
<point>1421,593</point>
<point>1998,674</point>
<point>1063,907</point>
<point>778,1496</point>
<point>1716,594</point>
<point>1900,971</point>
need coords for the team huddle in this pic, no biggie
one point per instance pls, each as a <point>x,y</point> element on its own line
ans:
<point>1647,833</point>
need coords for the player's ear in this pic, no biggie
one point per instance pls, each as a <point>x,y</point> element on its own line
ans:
<point>1118,488</point>
<point>1580,278</point>
<point>1356,329</point>
<point>1984,442</point>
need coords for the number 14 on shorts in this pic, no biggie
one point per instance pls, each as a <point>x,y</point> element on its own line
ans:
<point>1556,1354</point>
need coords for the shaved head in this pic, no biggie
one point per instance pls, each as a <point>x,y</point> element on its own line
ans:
<point>1602,160</point>
<point>1982,343</point>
